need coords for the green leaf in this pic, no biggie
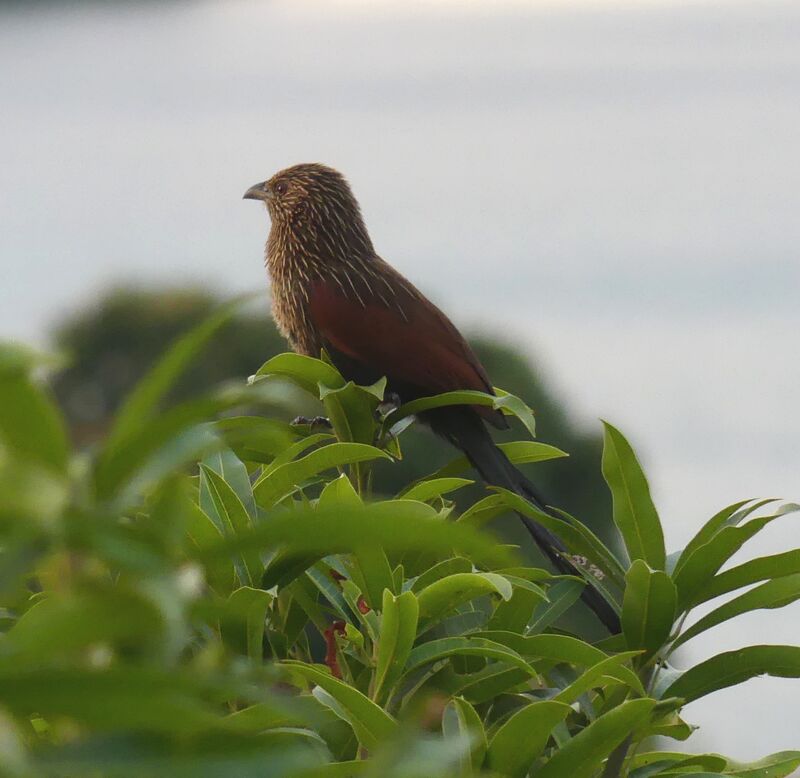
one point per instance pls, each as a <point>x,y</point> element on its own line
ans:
<point>701,566</point>
<point>443,648</point>
<point>398,630</point>
<point>774,766</point>
<point>510,405</point>
<point>590,678</point>
<point>286,478</point>
<point>116,698</point>
<point>772,594</point>
<point>231,513</point>
<point>232,470</point>
<point>561,598</point>
<point>308,373</point>
<point>559,649</point>
<point>339,493</point>
<point>583,754</point>
<point>443,596</point>
<point>707,531</point>
<point>461,721</point>
<point>370,571</point>
<point>522,738</point>
<point>578,538</point>
<point>431,488</point>
<point>371,724</point>
<point>513,615</point>
<point>395,525</point>
<point>506,403</point>
<point>255,438</point>
<point>488,684</point>
<point>441,570</point>
<point>761,569</point>
<point>519,452</point>
<point>734,667</point>
<point>204,754</point>
<point>79,619</point>
<point>634,512</point>
<point>30,424</point>
<point>351,410</point>
<point>243,619</point>
<point>160,446</point>
<point>648,608</point>
<point>142,403</point>
<point>676,763</point>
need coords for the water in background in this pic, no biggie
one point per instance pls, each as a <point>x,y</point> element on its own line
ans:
<point>616,186</point>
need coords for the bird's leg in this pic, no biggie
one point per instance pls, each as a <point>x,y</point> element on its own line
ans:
<point>313,422</point>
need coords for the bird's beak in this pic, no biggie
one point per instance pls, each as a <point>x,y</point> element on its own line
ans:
<point>257,192</point>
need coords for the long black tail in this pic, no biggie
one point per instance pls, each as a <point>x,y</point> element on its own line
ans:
<point>464,429</point>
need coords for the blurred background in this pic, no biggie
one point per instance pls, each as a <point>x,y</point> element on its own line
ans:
<point>605,193</point>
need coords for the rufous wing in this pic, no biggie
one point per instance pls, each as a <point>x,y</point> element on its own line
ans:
<point>404,337</point>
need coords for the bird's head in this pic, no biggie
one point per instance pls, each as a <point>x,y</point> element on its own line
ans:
<point>307,192</point>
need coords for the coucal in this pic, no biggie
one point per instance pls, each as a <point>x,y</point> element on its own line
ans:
<point>332,291</point>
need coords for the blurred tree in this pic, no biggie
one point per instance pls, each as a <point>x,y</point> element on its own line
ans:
<point>111,344</point>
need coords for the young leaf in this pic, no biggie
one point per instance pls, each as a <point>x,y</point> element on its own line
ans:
<point>522,737</point>
<point>648,608</point>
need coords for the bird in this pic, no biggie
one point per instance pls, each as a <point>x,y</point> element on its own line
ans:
<point>331,291</point>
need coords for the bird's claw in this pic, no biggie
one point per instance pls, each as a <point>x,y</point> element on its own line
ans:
<point>313,421</point>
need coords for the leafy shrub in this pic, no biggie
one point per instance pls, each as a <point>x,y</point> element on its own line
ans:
<point>260,614</point>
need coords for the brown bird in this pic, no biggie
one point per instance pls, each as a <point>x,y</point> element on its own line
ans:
<point>332,291</point>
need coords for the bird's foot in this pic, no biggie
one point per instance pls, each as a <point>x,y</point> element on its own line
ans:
<point>391,402</point>
<point>314,422</point>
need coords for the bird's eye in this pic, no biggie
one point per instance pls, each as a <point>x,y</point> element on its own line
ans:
<point>280,188</point>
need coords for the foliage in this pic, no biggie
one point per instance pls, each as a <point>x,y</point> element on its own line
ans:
<point>208,593</point>
<point>112,344</point>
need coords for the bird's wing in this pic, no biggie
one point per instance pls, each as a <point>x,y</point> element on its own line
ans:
<point>399,334</point>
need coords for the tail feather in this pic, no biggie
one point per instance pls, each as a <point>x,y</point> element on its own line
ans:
<point>466,431</point>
